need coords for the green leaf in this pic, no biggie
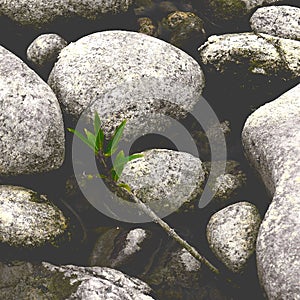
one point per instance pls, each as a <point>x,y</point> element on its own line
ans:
<point>125,186</point>
<point>119,164</point>
<point>98,132</point>
<point>113,144</point>
<point>134,156</point>
<point>91,139</point>
<point>83,138</point>
<point>100,139</point>
<point>97,123</point>
<point>121,160</point>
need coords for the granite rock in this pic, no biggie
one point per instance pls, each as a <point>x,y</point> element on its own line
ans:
<point>37,12</point>
<point>257,54</point>
<point>31,125</point>
<point>24,280</point>
<point>271,139</point>
<point>227,10</point>
<point>281,21</point>
<point>120,248</point>
<point>231,234</point>
<point>125,75</point>
<point>164,179</point>
<point>27,219</point>
<point>45,48</point>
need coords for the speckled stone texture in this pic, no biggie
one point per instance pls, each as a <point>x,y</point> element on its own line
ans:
<point>271,139</point>
<point>26,219</point>
<point>102,283</point>
<point>233,9</point>
<point>118,247</point>
<point>44,281</point>
<point>38,12</point>
<point>281,21</point>
<point>164,179</point>
<point>231,234</point>
<point>125,75</point>
<point>45,48</point>
<point>229,183</point>
<point>261,54</point>
<point>31,125</point>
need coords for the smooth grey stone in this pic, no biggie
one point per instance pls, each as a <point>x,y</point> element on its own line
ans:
<point>32,138</point>
<point>126,75</point>
<point>27,219</point>
<point>38,12</point>
<point>164,179</point>
<point>281,21</point>
<point>257,54</point>
<point>231,234</point>
<point>45,48</point>
<point>118,248</point>
<point>271,139</point>
<point>44,281</point>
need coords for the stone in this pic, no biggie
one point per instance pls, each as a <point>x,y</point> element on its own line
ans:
<point>255,54</point>
<point>45,48</point>
<point>180,28</point>
<point>146,26</point>
<point>125,75</point>
<point>177,275</point>
<point>120,248</point>
<point>231,234</point>
<point>228,184</point>
<point>28,219</point>
<point>37,12</point>
<point>281,21</point>
<point>24,280</point>
<point>164,179</point>
<point>234,9</point>
<point>271,141</point>
<point>31,125</point>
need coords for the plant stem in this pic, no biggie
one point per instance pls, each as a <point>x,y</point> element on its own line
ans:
<point>171,232</point>
<point>129,196</point>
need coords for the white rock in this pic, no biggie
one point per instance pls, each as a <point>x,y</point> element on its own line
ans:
<point>260,54</point>
<point>271,139</point>
<point>31,126</point>
<point>27,219</point>
<point>45,48</point>
<point>281,21</point>
<point>164,179</point>
<point>37,12</point>
<point>125,75</point>
<point>231,234</point>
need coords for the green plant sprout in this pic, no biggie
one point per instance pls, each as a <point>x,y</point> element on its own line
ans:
<point>96,141</point>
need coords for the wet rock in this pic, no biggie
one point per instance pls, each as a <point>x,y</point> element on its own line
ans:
<point>126,75</point>
<point>177,275</point>
<point>45,48</point>
<point>31,126</point>
<point>21,280</point>
<point>146,26</point>
<point>271,141</point>
<point>234,9</point>
<point>180,28</point>
<point>253,54</point>
<point>231,234</point>
<point>122,249</point>
<point>228,184</point>
<point>164,179</point>
<point>27,219</point>
<point>281,21</point>
<point>36,12</point>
